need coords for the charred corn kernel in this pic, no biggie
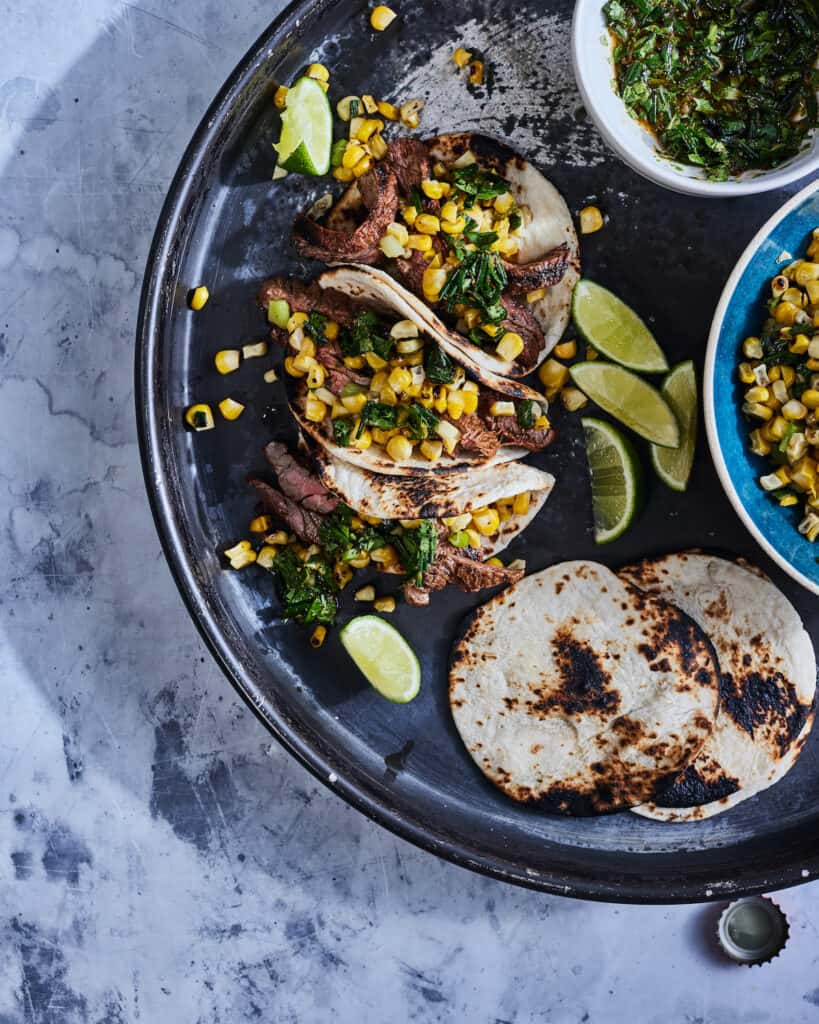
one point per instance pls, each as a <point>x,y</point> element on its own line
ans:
<point>797,446</point>
<point>240,555</point>
<point>400,379</point>
<point>591,220</point>
<point>318,635</point>
<point>453,227</point>
<point>277,537</point>
<point>779,285</point>
<point>757,395</point>
<point>364,164</point>
<point>520,503</point>
<point>303,361</point>
<point>354,403</point>
<point>809,527</point>
<point>388,110</point>
<point>363,438</point>
<point>760,412</point>
<point>431,450</point>
<point>343,107</point>
<point>427,224</point>
<point>230,409</point>
<point>470,400</point>
<point>342,574</point>
<point>344,174</point>
<point>385,556</point>
<point>199,417</point>
<point>780,391</point>
<point>433,189</point>
<point>761,375</point>
<point>800,344</point>
<point>775,430</point>
<point>384,604</point>
<point>423,243</point>
<point>503,203</point>
<point>461,57</point>
<point>381,17</point>
<point>810,398</point>
<point>432,281</point>
<point>500,408</point>
<point>399,448</point>
<point>280,97</point>
<point>510,346</point>
<point>573,399</point>
<point>369,103</point>
<point>440,399</point>
<point>314,409</point>
<point>365,593</point>
<point>369,127</point>
<point>553,374</point>
<point>803,474</point>
<point>266,557</point>
<point>752,348</point>
<point>319,72</point>
<point>316,376</point>
<point>227,360</point>
<point>745,373</point>
<point>449,434</point>
<point>254,351</point>
<point>759,446</point>
<point>476,72</point>
<point>794,410</point>
<point>199,297</point>
<point>785,313</point>
<point>455,405</point>
<point>486,521</point>
<point>296,320</point>
<point>374,361</point>
<point>536,295</point>
<point>270,376</point>
<point>410,113</point>
<point>261,524</point>
<point>474,538</point>
<point>566,349</point>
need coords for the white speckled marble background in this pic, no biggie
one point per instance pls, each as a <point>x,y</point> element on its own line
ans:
<point>161,860</point>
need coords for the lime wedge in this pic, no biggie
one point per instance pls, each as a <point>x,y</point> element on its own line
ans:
<point>629,399</point>
<point>673,465</point>
<point>616,479</point>
<point>614,329</point>
<point>384,656</point>
<point>307,129</point>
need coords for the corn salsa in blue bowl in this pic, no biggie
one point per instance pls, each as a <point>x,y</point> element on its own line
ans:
<point>740,315</point>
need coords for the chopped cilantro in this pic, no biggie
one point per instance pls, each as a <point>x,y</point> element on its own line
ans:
<point>526,413</point>
<point>472,181</point>
<point>341,541</point>
<point>420,422</point>
<point>341,431</point>
<point>307,589</point>
<point>416,549</point>
<point>438,367</point>
<point>378,414</point>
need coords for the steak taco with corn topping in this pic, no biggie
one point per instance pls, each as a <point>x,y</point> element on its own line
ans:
<point>472,234</point>
<point>376,389</point>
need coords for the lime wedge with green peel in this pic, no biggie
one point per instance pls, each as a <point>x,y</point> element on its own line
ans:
<point>614,329</point>
<point>629,399</point>
<point>616,479</point>
<point>384,656</point>
<point>307,129</point>
<point>673,465</point>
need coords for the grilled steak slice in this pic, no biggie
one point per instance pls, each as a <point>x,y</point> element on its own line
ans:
<point>465,570</point>
<point>509,431</point>
<point>521,320</point>
<point>475,437</point>
<point>408,159</point>
<point>545,272</point>
<point>297,482</point>
<point>379,193</point>
<point>304,523</point>
<point>307,298</point>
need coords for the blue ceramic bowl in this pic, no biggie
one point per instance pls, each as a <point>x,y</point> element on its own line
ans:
<point>740,313</point>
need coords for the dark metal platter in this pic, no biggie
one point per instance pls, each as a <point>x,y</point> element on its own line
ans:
<point>226,224</point>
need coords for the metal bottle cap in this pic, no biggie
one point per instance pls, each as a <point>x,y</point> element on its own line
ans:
<point>752,930</point>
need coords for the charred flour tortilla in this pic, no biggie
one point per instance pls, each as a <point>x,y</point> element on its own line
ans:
<point>768,681</point>
<point>578,692</point>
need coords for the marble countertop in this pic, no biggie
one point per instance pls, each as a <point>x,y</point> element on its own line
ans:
<point>161,859</point>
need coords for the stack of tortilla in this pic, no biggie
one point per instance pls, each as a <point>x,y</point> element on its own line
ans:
<point>677,687</point>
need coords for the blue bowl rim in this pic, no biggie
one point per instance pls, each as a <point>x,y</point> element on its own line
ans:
<point>708,383</point>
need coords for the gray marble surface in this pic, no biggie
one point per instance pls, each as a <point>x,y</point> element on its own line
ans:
<point>161,859</point>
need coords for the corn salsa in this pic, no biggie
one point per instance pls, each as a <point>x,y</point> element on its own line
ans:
<point>779,373</point>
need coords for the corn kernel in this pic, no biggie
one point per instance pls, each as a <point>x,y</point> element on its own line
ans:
<point>363,440</point>
<point>399,448</point>
<point>363,166</point>
<point>199,417</point>
<point>760,412</point>
<point>230,409</point>
<point>566,349</point>
<point>800,344</point>
<point>423,243</point>
<point>314,409</point>
<point>343,107</point>
<point>591,220</point>
<point>461,57</point>
<point>319,72</point>
<point>280,97</point>
<point>536,295</point>
<point>342,574</point>
<point>354,403</point>
<point>318,635</point>
<point>374,361</point>
<point>752,348</point>
<point>453,227</point>
<point>384,604</point>
<point>388,111</point>
<point>573,399</point>
<point>365,593</point>
<point>759,445</point>
<point>502,408</point>
<point>261,524</point>
<point>431,450</point>
<point>381,17</point>
<point>385,556</point>
<point>745,373</point>
<point>409,213</point>
<point>510,346</point>
<point>388,396</point>
<point>787,500</point>
<point>400,379</point>
<point>369,127</point>
<point>476,72</point>
<point>503,203</point>
<point>455,404</point>
<point>470,400</point>
<point>433,280</point>
<point>427,224</point>
<point>199,297</point>
<point>266,557</point>
<point>757,395</point>
<point>410,112</point>
<point>785,313</point>
<point>240,555</point>
<point>473,536</point>
<point>486,521</point>
<point>495,561</point>
<point>433,189</point>
<point>553,374</point>
<point>810,398</point>
<point>227,360</point>
<point>316,376</point>
<point>794,410</point>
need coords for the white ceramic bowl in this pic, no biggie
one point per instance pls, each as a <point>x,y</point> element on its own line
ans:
<point>594,72</point>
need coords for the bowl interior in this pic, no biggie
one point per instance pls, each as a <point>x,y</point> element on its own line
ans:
<point>637,146</point>
<point>743,316</point>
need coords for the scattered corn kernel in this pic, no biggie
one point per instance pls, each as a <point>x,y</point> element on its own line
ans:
<point>199,297</point>
<point>318,636</point>
<point>510,346</point>
<point>231,409</point>
<point>476,72</point>
<point>319,72</point>
<point>388,110</point>
<point>410,113</point>
<point>461,57</point>
<point>384,604</point>
<point>227,360</point>
<point>399,448</point>
<point>591,220</point>
<point>365,593</point>
<point>566,349</point>
<point>381,17</point>
<point>573,399</point>
<point>553,374</point>
<point>240,555</point>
